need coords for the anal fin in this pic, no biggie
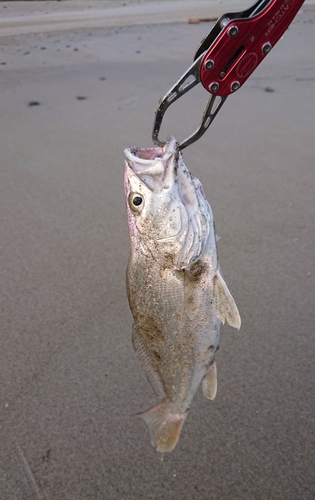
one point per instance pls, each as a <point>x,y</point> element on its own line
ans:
<point>209,382</point>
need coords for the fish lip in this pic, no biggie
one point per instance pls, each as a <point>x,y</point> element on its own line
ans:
<point>130,172</point>
<point>132,155</point>
<point>152,165</point>
<point>145,156</point>
<point>142,158</point>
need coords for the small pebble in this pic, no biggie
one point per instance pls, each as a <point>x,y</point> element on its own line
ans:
<point>75,50</point>
<point>34,103</point>
<point>43,48</point>
<point>269,89</point>
<point>103,78</point>
<point>81,98</point>
<point>25,53</point>
<point>3,63</point>
<point>138,51</point>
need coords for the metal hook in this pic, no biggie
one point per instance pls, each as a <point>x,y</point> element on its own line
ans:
<point>183,85</point>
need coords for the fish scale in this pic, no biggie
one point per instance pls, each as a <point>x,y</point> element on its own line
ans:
<point>180,345</point>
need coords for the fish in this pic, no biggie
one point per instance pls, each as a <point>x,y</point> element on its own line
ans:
<point>175,287</point>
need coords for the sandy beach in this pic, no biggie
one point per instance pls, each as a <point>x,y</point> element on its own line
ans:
<point>80,81</point>
<point>43,16</point>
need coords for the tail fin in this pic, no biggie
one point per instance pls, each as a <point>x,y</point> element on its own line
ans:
<point>164,427</point>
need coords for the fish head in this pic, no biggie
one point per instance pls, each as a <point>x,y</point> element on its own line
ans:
<point>168,215</point>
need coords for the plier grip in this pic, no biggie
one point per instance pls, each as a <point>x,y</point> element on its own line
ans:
<point>227,56</point>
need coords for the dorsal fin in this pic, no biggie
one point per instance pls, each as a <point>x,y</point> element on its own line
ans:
<point>147,362</point>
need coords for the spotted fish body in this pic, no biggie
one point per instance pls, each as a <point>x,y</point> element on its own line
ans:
<point>177,295</point>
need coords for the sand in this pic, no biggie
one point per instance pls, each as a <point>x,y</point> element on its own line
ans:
<point>32,17</point>
<point>70,383</point>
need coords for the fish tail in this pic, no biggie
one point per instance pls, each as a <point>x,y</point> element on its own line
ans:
<point>164,426</point>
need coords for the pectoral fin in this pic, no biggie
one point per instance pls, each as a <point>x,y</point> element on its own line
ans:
<point>225,306</point>
<point>209,382</point>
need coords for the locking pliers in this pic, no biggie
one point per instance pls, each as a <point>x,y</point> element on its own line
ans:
<point>227,56</point>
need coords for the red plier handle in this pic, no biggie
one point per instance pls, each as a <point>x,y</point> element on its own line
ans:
<point>228,55</point>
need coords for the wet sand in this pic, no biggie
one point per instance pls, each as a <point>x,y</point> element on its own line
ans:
<point>70,383</point>
<point>43,16</point>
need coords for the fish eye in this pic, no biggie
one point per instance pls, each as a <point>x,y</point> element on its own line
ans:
<point>136,202</point>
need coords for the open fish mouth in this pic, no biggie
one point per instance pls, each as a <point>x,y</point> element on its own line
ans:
<point>154,166</point>
<point>147,153</point>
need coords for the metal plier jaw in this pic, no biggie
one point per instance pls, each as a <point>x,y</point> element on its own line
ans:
<point>227,56</point>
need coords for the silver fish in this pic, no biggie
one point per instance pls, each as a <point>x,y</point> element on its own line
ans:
<point>177,295</point>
